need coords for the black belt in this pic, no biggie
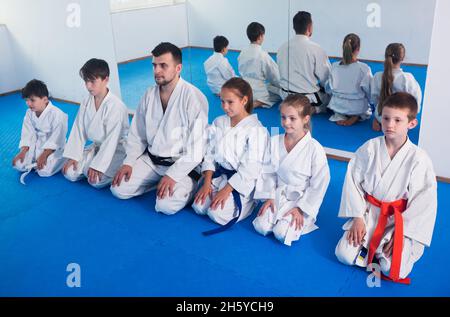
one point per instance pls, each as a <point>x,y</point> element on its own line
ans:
<point>167,161</point>
<point>316,94</point>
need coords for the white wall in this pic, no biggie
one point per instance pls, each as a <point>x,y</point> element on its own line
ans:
<point>9,80</point>
<point>44,47</point>
<point>407,21</point>
<point>137,32</point>
<point>435,119</point>
<point>208,18</point>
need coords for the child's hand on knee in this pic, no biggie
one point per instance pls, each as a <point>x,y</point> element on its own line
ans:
<point>42,159</point>
<point>19,157</point>
<point>357,232</point>
<point>203,193</point>
<point>221,197</point>
<point>68,164</point>
<point>94,176</point>
<point>269,204</point>
<point>297,217</point>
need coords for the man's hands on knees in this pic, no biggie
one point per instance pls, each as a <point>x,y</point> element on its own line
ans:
<point>165,187</point>
<point>125,171</point>
<point>357,232</point>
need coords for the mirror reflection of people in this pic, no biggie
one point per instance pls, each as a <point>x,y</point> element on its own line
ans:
<point>349,85</point>
<point>217,67</point>
<point>304,66</point>
<point>259,69</point>
<point>393,79</point>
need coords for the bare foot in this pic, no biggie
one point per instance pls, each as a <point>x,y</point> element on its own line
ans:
<point>376,126</point>
<point>258,104</point>
<point>350,121</point>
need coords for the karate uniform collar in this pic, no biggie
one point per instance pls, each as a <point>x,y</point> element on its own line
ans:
<point>218,55</point>
<point>300,144</point>
<point>302,37</point>
<point>46,110</point>
<point>404,148</point>
<point>107,97</point>
<point>251,118</point>
<point>256,46</point>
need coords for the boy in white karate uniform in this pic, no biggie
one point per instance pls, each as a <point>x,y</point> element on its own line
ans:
<point>295,176</point>
<point>304,66</point>
<point>44,132</point>
<point>390,196</point>
<point>391,80</point>
<point>349,85</point>
<point>259,69</point>
<point>166,143</point>
<point>103,120</point>
<point>217,67</point>
<point>233,161</point>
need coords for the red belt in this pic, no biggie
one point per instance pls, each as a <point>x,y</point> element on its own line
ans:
<point>388,209</point>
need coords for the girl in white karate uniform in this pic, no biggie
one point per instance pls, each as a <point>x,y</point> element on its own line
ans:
<point>295,176</point>
<point>102,119</point>
<point>393,79</point>
<point>349,85</point>
<point>43,135</point>
<point>234,157</point>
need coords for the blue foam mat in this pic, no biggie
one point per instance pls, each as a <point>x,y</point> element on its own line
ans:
<point>125,248</point>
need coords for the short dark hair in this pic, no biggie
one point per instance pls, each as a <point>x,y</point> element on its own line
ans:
<point>402,100</point>
<point>255,30</point>
<point>35,88</point>
<point>220,42</point>
<point>301,22</point>
<point>166,47</point>
<point>93,69</point>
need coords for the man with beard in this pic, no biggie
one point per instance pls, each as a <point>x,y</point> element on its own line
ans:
<point>165,144</point>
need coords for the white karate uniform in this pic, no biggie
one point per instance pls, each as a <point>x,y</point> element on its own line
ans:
<point>403,82</point>
<point>261,72</point>
<point>409,175</point>
<point>303,65</point>
<point>106,128</point>
<point>177,133</point>
<point>218,70</point>
<point>349,87</point>
<point>240,148</point>
<point>46,132</point>
<point>300,179</point>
